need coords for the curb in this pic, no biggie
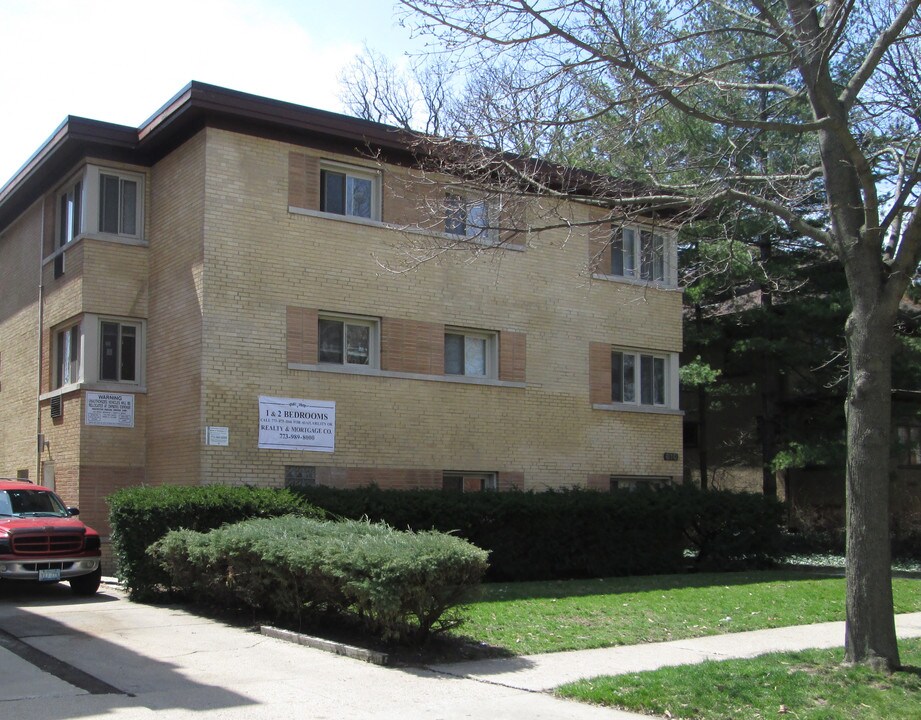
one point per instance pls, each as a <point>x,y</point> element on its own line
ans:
<point>356,653</point>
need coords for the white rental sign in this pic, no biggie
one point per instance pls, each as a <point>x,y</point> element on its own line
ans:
<point>290,424</point>
<point>110,409</point>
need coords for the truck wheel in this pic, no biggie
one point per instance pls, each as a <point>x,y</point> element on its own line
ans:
<point>86,584</point>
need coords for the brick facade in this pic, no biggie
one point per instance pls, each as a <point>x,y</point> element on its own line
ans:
<point>234,267</point>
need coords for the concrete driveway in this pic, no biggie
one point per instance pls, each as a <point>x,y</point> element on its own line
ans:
<point>63,657</point>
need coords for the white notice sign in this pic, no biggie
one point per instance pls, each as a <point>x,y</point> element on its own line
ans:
<point>215,435</point>
<point>110,409</point>
<point>290,424</point>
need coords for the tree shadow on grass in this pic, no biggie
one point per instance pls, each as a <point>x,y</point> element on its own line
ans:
<point>548,589</point>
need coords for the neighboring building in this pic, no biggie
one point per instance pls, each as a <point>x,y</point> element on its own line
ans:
<point>810,387</point>
<point>163,287</point>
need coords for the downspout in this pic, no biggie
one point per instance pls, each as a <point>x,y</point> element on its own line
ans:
<point>39,440</point>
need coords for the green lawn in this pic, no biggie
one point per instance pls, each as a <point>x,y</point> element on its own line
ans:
<point>538,617</point>
<point>811,685</point>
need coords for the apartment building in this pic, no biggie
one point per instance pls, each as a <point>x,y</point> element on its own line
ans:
<point>208,299</point>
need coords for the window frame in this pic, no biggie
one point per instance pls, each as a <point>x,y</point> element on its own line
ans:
<point>458,206</point>
<point>639,266</point>
<point>374,339</point>
<point>84,193</point>
<point>300,476</point>
<point>490,351</point>
<point>68,349</point>
<point>89,363</point>
<point>633,483</point>
<point>353,171</point>
<point>639,379</point>
<point>489,481</point>
<point>138,350</point>
<point>909,445</point>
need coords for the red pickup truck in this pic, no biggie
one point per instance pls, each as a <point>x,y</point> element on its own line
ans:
<point>41,539</point>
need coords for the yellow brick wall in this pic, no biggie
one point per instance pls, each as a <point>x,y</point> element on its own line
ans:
<point>64,295</point>
<point>114,279</point>
<point>174,327</point>
<point>260,259</point>
<point>20,254</point>
<point>63,435</point>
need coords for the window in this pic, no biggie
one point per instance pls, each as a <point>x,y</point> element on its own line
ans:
<point>347,341</point>
<point>461,481</point>
<point>638,378</point>
<point>638,253</point>
<point>118,351</point>
<point>467,217</point>
<point>99,350</point>
<point>470,353</point>
<point>99,200</point>
<point>118,205</point>
<point>909,444</point>
<point>349,192</point>
<point>632,483</point>
<point>70,213</point>
<point>68,355</point>
<point>300,476</point>
<point>70,220</point>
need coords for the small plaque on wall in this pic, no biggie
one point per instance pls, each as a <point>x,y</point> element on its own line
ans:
<point>217,435</point>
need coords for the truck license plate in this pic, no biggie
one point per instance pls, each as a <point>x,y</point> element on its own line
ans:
<point>49,575</point>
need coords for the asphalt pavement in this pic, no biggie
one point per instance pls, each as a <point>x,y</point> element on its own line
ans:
<point>63,657</point>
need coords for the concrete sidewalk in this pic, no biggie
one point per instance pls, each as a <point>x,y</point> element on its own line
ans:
<point>105,658</point>
<point>539,673</point>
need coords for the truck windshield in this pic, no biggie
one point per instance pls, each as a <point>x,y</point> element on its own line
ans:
<point>31,503</point>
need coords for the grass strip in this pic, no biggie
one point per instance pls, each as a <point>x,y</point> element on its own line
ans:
<point>809,685</point>
<point>539,617</point>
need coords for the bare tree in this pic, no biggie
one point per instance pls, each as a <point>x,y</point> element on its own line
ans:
<point>498,106</point>
<point>794,101</point>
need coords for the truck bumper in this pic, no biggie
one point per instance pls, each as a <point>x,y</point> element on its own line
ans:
<point>32,569</point>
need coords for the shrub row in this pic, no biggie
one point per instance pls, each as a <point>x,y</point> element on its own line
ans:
<point>578,533</point>
<point>140,516</point>
<point>397,585</point>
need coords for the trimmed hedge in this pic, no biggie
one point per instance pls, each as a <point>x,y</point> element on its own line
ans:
<point>397,585</point>
<point>579,533</point>
<point>139,516</point>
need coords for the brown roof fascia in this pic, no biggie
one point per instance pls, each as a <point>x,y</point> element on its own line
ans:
<point>74,139</point>
<point>200,104</point>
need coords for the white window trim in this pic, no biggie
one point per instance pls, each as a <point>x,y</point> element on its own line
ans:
<point>360,171</point>
<point>397,375</point>
<point>81,359</point>
<point>488,236</point>
<point>92,335</point>
<point>65,188</point>
<point>408,229</point>
<point>88,367</point>
<point>89,176</point>
<point>671,385</point>
<point>491,350</point>
<point>92,340</point>
<point>670,258</point>
<point>374,349</point>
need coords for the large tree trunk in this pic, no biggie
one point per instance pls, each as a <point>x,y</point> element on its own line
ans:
<point>870,632</point>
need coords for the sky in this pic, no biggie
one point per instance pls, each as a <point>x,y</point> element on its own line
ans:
<point>120,60</point>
